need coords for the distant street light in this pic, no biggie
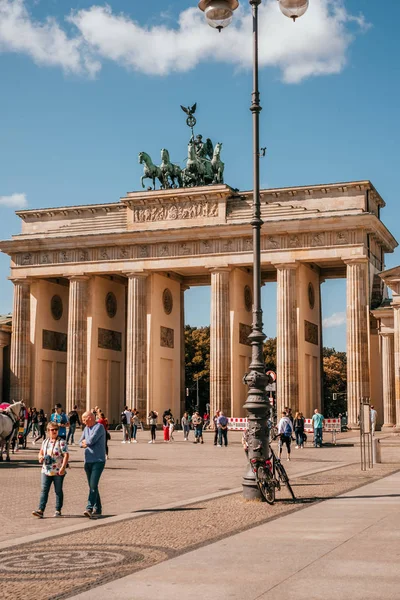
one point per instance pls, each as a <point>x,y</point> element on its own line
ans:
<point>219,14</point>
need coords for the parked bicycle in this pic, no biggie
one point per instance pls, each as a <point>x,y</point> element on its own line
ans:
<point>270,475</point>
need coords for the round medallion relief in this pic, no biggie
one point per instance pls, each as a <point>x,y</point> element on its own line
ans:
<point>56,307</point>
<point>167,301</point>
<point>248,298</point>
<point>111,305</point>
<point>311,295</point>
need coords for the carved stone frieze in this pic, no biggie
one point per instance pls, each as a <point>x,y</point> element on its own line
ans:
<point>172,212</point>
<point>244,332</point>
<point>166,337</point>
<point>110,340</point>
<point>311,333</point>
<point>190,247</point>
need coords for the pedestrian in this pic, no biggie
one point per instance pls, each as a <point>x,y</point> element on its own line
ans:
<point>152,418</point>
<point>171,422</point>
<point>166,413</point>
<point>34,423</point>
<point>166,419</point>
<point>215,419</point>
<point>126,418</point>
<point>374,415</point>
<point>317,423</point>
<point>61,419</point>
<point>103,421</point>
<point>135,424</point>
<point>298,425</point>
<point>222,426</point>
<point>198,428</point>
<point>53,456</point>
<point>285,430</point>
<point>185,426</point>
<point>42,420</point>
<point>73,418</point>
<point>93,440</point>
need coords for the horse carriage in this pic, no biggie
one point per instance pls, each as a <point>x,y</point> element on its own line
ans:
<point>13,422</point>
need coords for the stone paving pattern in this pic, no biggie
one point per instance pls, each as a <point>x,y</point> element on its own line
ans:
<point>137,476</point>
<point>178,471</point>
<point>81,560</point>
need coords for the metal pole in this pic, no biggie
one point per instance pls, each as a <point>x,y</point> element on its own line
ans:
<point>197,392</point>
<point>256,404</point>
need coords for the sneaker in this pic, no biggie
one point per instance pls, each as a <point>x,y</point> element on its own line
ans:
<point>288,458</point>
<point>88,513</point>
<point>57,513</point>
<point>202,442</point>
<point>219,446</point>
<point>124,442</point>
<point>134,441</point>
<point>150,442</point>
<point>129,441</point>
<point>33,442</point>
<point>38,513</point>
<point>296,446</point>
<point>96,513</point>
<point>153,442</point>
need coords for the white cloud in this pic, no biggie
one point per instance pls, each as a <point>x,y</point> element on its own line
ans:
<point>14,201</point>
<point>316,45</point>
<point>334,320</point>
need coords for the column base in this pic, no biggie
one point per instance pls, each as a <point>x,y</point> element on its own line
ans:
<point>388,427</point>
<point>250,488</point>
<point>352,426</point>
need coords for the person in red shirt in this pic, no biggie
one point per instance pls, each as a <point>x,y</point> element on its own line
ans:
<point>102,419</point>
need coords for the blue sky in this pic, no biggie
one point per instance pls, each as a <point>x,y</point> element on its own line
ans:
<point>84,88</point>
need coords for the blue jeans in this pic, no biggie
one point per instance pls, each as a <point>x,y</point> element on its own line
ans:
<point>318,436</point>
<point>134,431</point>
<point>71,433</point>
<point>186,431</point>
<point>47,480</point>
<point>222,435</point>
<point>93,473</point>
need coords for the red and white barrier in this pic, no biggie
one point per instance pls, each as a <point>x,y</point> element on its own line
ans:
<point>237,424</point>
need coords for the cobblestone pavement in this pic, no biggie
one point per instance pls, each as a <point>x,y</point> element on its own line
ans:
<point>137,477</point>
<point>77,561</point>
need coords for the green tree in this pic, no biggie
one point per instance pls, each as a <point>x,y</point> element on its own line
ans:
<point>270,354</point>
<point>335,381</point>
<point>197,364</point>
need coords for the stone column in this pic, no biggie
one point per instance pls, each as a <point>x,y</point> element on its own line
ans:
<point>396,309</point>
<point>182,340</point>
<point>77,343</point>
<point>20,357</point>
<point>3,344</point>
<point>388,387</point>
<point>287,339</point>
<point>136,344</point>
<point>357,337</point>
<point>220,363</point>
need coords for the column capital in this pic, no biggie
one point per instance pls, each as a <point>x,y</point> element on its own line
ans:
<point>139,274</point>
<point>357,260</point>
<point>221,269</point>
<point>389,334</point>
<point>287,265</point>
<point>78,277</point>
<point>21,280</point>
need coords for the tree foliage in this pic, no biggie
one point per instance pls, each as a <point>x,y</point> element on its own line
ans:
<point>197,365</point>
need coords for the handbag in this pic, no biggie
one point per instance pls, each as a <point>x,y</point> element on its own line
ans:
<point>108,436</point>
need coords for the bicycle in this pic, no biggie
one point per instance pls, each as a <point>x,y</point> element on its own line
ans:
<point>270,474</point>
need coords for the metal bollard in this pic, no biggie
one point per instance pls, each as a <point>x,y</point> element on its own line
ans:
<point>376,452</point>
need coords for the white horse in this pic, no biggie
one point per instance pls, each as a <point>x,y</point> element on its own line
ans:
<point>9,420</point>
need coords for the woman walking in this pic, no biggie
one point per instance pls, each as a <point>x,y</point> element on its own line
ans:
<point>135,424</point>
<point>185,426</point>
<point>298,425</point>
<point>153,415</point>
<point>53,456</point>
<point>171,423</point>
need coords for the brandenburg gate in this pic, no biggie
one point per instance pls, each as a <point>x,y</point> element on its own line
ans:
<point>99,289</point>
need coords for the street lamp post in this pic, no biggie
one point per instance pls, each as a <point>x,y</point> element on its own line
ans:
<point>219,14</point>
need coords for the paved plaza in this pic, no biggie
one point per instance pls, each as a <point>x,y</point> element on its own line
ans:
<point>174,509</point>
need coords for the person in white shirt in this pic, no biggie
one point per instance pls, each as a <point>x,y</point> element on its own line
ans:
<point>285,430</point>
<point>126,418</point>
<point>374,415</point>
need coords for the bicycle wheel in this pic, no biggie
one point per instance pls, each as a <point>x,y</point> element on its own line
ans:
<point>282,475</point>
<point>266,485</point>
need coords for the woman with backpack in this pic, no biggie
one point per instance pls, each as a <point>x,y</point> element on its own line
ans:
<point>153,415</point>
<point>285,430</point>
<point>298,425</point>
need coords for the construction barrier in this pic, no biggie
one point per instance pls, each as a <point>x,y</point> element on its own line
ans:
<point>330,426</point>
<point>237,424</point>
